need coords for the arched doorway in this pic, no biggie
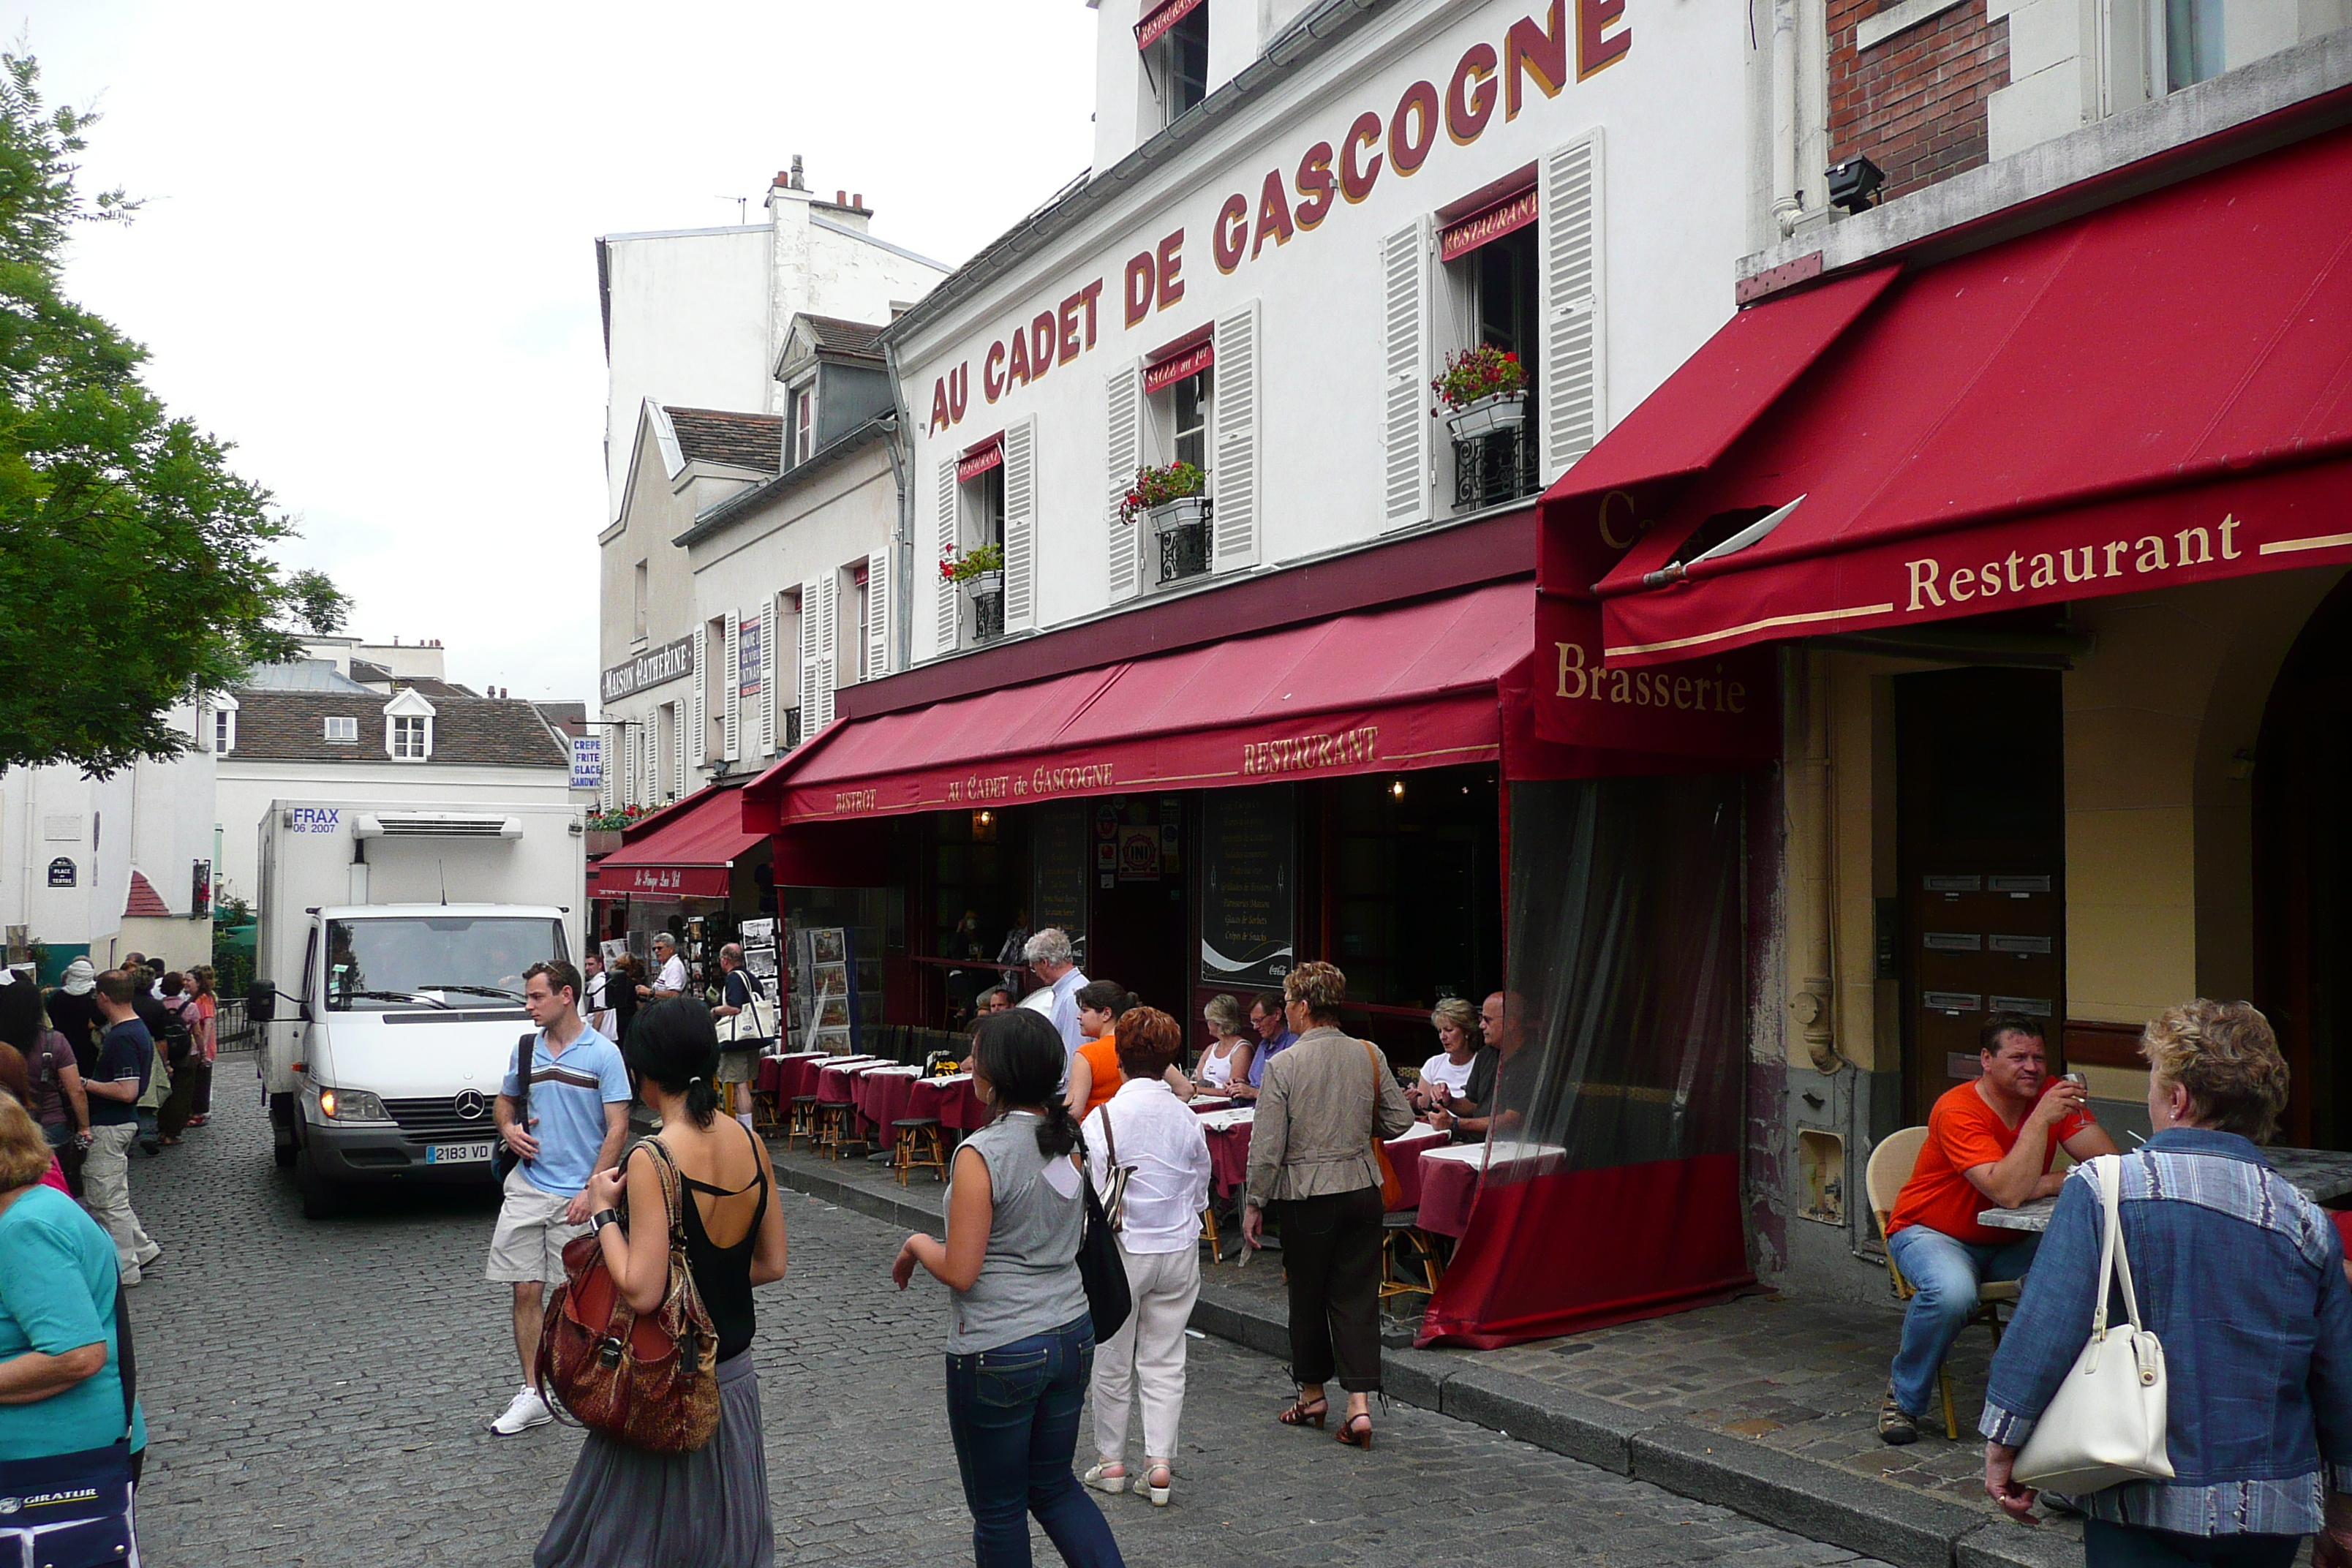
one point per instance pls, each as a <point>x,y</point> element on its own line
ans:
<point>2302,874</point>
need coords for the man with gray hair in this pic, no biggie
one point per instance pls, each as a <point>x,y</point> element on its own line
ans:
<point>1049,953</point>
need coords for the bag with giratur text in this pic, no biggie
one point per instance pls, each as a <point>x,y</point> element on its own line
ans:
<point>2104,1425</point>
<point>74,1511</point>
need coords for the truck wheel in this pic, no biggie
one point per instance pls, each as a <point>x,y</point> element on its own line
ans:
<point>321,1199</point>
<point>281,1131</point>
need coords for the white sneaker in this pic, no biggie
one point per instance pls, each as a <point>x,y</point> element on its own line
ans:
<point>527,1410</point>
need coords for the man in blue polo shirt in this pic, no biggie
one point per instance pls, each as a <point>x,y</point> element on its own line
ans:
<point>579,1113</point>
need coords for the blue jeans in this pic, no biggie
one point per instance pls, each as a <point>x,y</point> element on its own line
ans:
<point>1014,1412</point>
<point>1946,1273</point>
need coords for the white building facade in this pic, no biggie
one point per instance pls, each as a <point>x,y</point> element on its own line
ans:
<point>1268,286</point>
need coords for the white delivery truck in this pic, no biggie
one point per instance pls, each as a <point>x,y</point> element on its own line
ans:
<point>388,979</point>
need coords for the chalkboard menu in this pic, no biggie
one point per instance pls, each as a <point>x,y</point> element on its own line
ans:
<point>1061,860</point>
<point>1248,881</point>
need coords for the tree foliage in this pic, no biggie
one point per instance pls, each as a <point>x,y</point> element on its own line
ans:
<point>133,565</point>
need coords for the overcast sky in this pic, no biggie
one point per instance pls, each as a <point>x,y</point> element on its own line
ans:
<point>367,259</point>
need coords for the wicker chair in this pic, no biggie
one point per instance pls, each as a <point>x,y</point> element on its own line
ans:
<point>1891,1164</point>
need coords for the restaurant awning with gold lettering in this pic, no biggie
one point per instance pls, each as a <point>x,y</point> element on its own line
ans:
<point>1421,685</point>
<point>2158,393</point>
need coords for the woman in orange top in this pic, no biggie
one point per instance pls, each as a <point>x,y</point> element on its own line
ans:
<point>1095,1076</point>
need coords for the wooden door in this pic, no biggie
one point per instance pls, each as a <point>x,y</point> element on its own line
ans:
<point>1981,833</point>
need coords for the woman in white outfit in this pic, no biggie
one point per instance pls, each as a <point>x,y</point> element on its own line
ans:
<point>1161,1144</point>
<point>1228,1060</point>
<point>1446,1075</point>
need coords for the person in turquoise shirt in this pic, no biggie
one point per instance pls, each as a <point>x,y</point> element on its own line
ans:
<point>60,1383</point>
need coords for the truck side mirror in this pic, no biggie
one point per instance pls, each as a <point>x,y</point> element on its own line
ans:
<point>261,1002</point>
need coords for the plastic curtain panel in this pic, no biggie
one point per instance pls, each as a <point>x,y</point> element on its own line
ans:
<point>1613,1190</point>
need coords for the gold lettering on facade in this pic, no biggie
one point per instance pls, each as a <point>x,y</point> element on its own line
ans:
<point>1933,588</point>
<point>1304,754</point>
<point>853,800</point>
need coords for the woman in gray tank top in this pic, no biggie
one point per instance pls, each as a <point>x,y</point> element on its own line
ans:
<point>1020,1343</point>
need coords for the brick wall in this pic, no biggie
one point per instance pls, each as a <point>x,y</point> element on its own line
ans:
<point>1916,103</point>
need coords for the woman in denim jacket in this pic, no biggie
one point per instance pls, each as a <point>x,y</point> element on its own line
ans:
<point>2241,1277</point>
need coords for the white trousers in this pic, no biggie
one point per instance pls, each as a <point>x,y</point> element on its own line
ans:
<point>106,1191</point>
<point>1146,1356</point>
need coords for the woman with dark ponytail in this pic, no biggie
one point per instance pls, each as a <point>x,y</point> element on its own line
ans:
<point>1020,1342</point>
<point>627,1505</point>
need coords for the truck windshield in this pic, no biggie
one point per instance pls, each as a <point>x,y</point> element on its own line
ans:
<point>433,961</point>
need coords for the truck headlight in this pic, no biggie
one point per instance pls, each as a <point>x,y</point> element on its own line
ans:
<point>350,1105</point>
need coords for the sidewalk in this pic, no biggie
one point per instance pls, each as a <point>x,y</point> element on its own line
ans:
<point>1766,1404</point>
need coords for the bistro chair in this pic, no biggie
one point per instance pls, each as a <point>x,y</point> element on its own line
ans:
<point>1408,1249</point>
<point>835,1127</point>
<point>1208,1232</point>
<point>1890,1166</point>
<point>919,1146</point>
<point>800,1121</point>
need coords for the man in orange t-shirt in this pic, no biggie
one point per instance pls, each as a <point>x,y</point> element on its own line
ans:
<point>1990,1144</point>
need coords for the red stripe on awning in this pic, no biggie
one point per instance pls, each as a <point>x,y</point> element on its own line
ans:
<point>2155,393</point>
<point>1160,19</point>
<point>990,456</point>
<point>1514,212</point>
<point>689,853</point>
<point>1189,362</point>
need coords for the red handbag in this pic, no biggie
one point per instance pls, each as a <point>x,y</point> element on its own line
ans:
<point>650,1380</point>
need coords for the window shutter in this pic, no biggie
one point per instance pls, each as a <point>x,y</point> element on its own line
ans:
<point>699,699</point>
<point>608,765</point>
<point>828,637</point>
<point>1575,344</point>
<point>732,730</point>
<point>676,711</point>
<point>812,655</point>
<point>771,626</point>
<point>943,592</point>
<point>1233,462</point>
<point>1126,552</point>
<point>1404,369</point>
<point>1021,527</point>
<point>877,614</point>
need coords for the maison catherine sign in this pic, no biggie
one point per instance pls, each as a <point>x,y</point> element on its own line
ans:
<point>651,668</point>
<point>1574,39</point>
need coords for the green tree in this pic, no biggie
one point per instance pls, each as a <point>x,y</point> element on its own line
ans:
<point>133,565</point>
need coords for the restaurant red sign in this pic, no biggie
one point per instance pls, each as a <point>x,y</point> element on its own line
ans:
<point>1725,706</point>
<point>974,464</point>
<point>1190,361</point>
<point>1459,239</point>
<point>660,882</point>
<point>1160,19</point>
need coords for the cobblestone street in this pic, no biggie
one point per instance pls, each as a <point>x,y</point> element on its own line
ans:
<point>318,1394</point>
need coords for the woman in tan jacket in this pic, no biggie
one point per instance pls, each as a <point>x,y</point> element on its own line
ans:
<point>1320,1105</point>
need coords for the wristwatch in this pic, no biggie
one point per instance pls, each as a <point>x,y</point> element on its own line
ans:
<point>601,1218</point>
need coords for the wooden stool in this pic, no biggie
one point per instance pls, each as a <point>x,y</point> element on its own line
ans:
<point>832,1127</point>
<point>919,1146</point>
<point>800,1120</point>
<point>1208,1232</point>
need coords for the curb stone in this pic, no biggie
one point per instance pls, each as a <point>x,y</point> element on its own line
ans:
<point>1823,1502</point>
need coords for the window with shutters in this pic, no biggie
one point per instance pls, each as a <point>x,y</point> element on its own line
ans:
<point>1493,296</point>
<point>1176,545</point>
<point>861,606</point>
<point>980,525</point>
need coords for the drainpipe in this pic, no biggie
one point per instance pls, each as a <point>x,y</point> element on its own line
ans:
<point>1787,207</point>
<point>1811,862</point>
<point>902,552</point>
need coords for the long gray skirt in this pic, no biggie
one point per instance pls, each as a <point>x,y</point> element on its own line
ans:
<point>629,1508</point>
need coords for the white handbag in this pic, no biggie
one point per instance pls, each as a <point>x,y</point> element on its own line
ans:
<point>744,1027</point>
<point>2105,1424</point>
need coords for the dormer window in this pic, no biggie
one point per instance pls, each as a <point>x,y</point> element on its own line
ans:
<point>224,724</point>
<point>1174,39</point>
<point>408,728</point>
<point>343,731</point>
<point>803,434</point>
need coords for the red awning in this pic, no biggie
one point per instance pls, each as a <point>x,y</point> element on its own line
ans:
<point>683,851</point>
<point>2156,393</point>
<point>1160,19</point>
<point>1188,355</point>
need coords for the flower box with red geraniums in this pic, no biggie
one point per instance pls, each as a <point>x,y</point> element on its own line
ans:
<point>1484,390</point>
<point>978,571</point>
<point>1162,490</point>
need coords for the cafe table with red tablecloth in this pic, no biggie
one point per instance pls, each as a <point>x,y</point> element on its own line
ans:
<point>1451,1178</point>
<point>952,1099</point>
<point>880,1094</point>
<point>790,1077</point>
<point>1228,1147</point>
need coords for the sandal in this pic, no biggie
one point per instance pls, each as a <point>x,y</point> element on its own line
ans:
<point>1101,1482</point>
<point>1301,1413</point>
<point>1354,1436</point>
<point>1157,1482</point>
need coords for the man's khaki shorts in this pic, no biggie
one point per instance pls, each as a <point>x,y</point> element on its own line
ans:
<point>529,1242</point>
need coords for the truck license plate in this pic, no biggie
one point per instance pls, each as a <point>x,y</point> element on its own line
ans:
<point>456,1154</point>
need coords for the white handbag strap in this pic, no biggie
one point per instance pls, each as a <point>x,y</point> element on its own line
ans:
<point>2115,1256</point>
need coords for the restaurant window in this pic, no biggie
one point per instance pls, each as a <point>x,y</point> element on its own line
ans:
<point>1181,70</point>
<point>1495,294</point>
<point>1414,891</point>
